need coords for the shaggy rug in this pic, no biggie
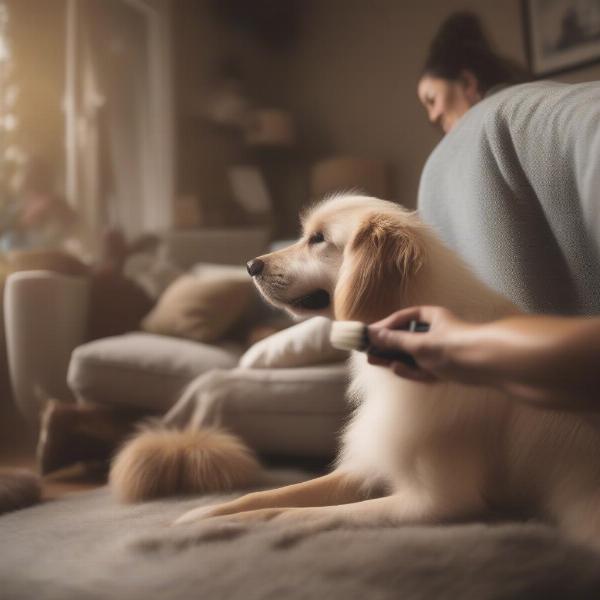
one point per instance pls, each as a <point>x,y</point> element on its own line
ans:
<point>88,547</point>
<point>18,488</point>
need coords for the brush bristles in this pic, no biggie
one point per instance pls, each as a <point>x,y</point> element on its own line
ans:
<point>349,335</point>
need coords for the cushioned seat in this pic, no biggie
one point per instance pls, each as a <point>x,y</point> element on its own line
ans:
<point>292,412</point>
<point>287,396</point>
<point>142,370</point>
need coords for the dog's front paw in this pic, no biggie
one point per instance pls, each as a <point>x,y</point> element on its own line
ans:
<point>250,517</point>
<point>217,515</point>
<point>198,514</point>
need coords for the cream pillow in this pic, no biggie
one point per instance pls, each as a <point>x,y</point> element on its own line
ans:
<point>202,307</point>
<point>301,345</point>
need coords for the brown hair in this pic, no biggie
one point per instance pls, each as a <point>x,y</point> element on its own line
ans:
<point>460,44</point>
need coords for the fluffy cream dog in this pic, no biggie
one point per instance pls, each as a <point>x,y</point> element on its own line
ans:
<point>416,453</point>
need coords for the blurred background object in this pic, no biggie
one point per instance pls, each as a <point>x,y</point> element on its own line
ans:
<point>342,173</point>
<point>141,110</point>
<point>124,121</point>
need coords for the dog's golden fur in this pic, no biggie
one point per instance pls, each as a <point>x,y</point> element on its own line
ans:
<point>159,462</point>
<point>416,453</point>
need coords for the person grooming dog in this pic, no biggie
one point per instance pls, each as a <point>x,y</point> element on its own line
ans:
<point>547,361</point>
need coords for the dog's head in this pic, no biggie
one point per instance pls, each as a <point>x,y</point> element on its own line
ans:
<point>355,259</point>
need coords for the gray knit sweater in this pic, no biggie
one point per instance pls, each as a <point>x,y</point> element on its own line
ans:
<point>515,189</point>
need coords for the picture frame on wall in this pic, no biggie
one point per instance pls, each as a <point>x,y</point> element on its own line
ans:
<point>561,35</point>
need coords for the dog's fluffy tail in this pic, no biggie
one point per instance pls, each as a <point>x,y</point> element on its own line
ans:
<point>162,462</point>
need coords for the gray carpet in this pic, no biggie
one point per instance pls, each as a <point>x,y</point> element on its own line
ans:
<point>88,547</point>
<point>18,488</point>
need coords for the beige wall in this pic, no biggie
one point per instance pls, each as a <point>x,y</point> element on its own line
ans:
<point>205,150</point>
<point>352,78</point>
<point>350,81</point>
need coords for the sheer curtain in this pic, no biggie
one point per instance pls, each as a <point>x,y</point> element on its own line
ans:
<point>119,116</point>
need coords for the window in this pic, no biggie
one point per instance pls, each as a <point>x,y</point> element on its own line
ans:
<point>119,114</point>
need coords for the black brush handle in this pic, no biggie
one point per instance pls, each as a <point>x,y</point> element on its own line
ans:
<point>397,355</point>
<point>417,327</point>
<point>393,355</point>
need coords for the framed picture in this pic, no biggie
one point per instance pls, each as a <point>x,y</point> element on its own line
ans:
<point>561,34</point>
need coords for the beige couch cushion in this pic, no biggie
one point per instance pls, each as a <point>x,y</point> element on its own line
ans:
<point>302,345</point>
<point>202,307</point>
<point>142,370</point>
<point>292,412</point>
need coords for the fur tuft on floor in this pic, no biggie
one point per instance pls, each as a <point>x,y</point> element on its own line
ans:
<point>18,488</point>
<point>161,462</point>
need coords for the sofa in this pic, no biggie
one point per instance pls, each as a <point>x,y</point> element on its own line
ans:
<point>284,395</point>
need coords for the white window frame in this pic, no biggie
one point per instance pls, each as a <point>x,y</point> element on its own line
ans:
<point>159,153</point>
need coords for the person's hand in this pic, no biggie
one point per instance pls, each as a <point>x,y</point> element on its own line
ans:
<point>547,361</point>
<point>432,350</point>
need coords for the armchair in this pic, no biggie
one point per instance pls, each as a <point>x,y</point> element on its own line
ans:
<point>286,397</point>
<point>46,314</point>
<point>45,317</point>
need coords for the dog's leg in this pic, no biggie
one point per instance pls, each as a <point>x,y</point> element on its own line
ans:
<point>334,488</point>
<point>401,508</point>
<point>407,506</point>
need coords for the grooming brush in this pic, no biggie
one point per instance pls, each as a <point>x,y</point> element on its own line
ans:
<point>354,335</point>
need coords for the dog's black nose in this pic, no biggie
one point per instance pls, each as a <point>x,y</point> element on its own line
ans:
<point>255,266</point>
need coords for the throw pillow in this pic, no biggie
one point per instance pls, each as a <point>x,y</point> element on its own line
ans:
<point>301,345</point>
<point>201,307</point>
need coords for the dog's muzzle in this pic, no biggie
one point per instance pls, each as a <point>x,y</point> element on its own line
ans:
<point>275,291</point>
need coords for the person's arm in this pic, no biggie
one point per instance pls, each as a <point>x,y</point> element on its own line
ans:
<point>547,361</point>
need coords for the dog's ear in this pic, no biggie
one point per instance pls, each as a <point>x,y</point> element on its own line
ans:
<point>379,261</point>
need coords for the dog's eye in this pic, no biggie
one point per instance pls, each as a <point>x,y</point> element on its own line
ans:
<point>316,238</point>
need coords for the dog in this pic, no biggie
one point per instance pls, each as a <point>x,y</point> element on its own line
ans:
<point>416,453</point>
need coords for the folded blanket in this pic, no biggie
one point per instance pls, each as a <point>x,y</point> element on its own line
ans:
<point>515,189</point>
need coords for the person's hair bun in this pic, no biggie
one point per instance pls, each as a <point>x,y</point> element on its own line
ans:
<point>461,44</point>
<point>460,29</point>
